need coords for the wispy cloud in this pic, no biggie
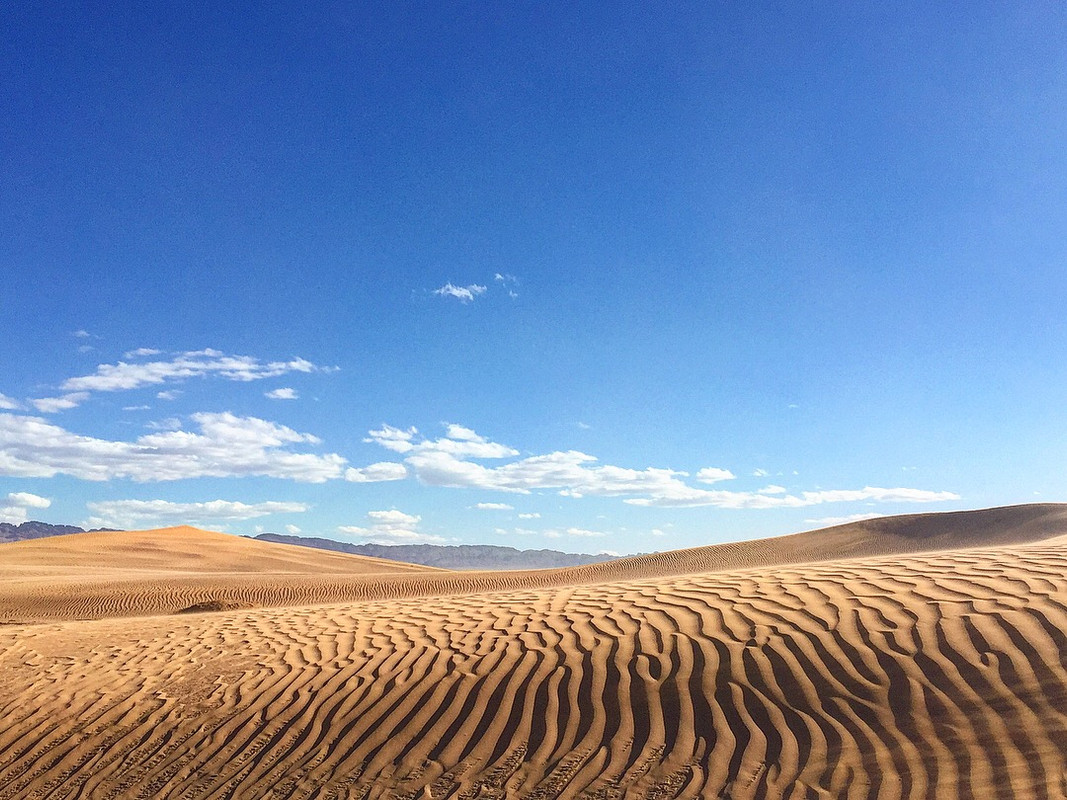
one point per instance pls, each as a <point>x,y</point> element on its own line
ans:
<point>453,461</point>
<point>8,403</point>
<point>50,405</point>
<point>377,473</point>
<point>494,507</point>
<point>509,282</point>
<point>225,446</point>
<point>124,376</point>
<point>391,527</point>
<point>579,532</point>
<point>284,393</point>
<point>146,513</point>
<point>464,294</point>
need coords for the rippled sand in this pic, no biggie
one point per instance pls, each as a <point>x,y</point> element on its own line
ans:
<point>692,674</point>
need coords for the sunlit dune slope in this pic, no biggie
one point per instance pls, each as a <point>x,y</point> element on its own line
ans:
<point>939,674</point>
<point>134,573</point>
<point>111,574</point>
<point>185,549</point>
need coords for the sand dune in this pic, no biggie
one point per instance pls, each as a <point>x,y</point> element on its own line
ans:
<point>936,674</point>
<point>139,573</point>
<point>185,549</point>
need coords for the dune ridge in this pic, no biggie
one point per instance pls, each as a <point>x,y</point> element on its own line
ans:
<point>140,573</point>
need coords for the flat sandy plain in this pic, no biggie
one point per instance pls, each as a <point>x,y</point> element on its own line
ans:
<point>908,657</point>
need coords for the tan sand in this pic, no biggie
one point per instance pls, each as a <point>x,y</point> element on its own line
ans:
<point>937,674</point>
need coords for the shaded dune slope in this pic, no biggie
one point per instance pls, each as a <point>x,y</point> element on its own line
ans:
<point>931,675</point>
<point>908,533</point>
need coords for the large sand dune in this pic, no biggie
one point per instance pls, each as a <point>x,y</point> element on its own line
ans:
<point>934,674</point>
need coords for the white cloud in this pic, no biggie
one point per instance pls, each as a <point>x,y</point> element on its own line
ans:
<point>760,473</point>
<point>584,533</point>
<point>195,363</point>
<point>81,334</point>
<point>453,462</point>
<point>284,393</point>
<point>698,497</point>
<point>139,513</point>
<point>459,442</point>
<point>13,515</point>
<point>142,352</point>
<point>8,404</point>
<point>50,405</point>
<point>394,517</point>
<point>495,507</point>
<point>772,489</point>
<point>226,446</point>
<point>376,473</point>
<point>13,509</point>
<point>391,527</point>
<point>27,500</point>
<point>516,532</point>
<point>136,408</point>
<point>170,394</point>
<point>658,532</point>
<point>464,294</point>
<point>395,439</point>
<point>714,475</point>
<point>531,515</point>
<point>878,495</point>
<point>292,529</point>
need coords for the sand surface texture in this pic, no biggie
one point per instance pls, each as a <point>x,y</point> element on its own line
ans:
<point>901,674</point>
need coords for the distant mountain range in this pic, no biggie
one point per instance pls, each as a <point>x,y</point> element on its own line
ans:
<point>34,530</point>
<point>462,556</point>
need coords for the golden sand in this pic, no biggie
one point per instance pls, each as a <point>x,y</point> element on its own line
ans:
<point>874,670</point>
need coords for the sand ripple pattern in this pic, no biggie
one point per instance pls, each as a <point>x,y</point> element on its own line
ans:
<point>935,675</point>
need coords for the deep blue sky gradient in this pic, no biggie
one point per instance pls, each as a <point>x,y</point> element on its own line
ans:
<point>828,240</point>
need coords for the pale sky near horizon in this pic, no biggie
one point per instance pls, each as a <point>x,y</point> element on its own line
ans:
<point>618,277</point>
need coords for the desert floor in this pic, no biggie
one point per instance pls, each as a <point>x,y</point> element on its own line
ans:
<point>910,657</point>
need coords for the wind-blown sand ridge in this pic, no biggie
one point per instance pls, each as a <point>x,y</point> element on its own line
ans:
<point>936,674</point>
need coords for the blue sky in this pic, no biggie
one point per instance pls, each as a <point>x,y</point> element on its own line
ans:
<point>619,277</point>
